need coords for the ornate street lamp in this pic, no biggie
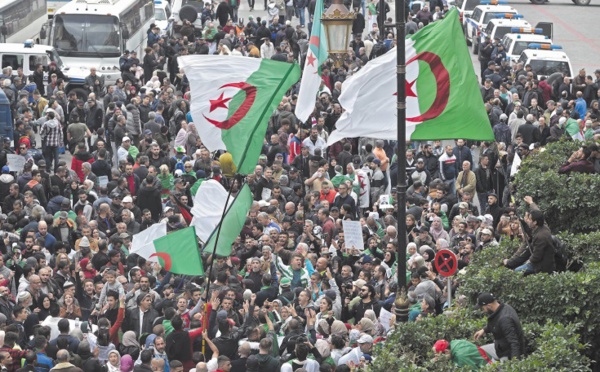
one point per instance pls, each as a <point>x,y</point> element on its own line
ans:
<point>337,21</point>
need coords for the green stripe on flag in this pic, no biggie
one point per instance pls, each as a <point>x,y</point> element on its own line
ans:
<point>178,252</point>
<point>232,224</point>
<point>463,115</point>
<point>245,140</point>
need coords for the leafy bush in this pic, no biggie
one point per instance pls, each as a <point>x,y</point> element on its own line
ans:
<point>554,347</point>
<point>570,201</point>
<point>583,248</point>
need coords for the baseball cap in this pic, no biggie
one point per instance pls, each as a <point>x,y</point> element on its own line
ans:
<point>128,199</point>
<point>126,139</point>
<point>365,339</point>
<point>367,259</point>
<point>485,299</point>
<point>359,283</point>
<point>463,205</point>
<point>486,232</point>
<point>5,169</point>
<point>285,282</point>
<point>180,149</point>
<point>147,132</point>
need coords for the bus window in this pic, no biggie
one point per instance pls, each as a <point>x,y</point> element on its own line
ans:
<point>13,60</point>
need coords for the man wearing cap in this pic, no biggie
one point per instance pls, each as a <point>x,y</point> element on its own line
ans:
<point>487,239</point>
<point>365,344</point>
<point>504,324</point>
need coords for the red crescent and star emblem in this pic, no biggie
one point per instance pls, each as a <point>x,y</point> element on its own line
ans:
<point>165,258</point>
<point>442,80</point>
<point>221,103</point>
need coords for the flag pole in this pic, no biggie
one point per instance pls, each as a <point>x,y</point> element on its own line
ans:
<point>212,261</point>
<point>401,302</point>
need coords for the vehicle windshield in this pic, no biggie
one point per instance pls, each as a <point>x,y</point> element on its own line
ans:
<point>520,46</point>
<point>159,14</point>
<point>490,15</point>
<point>86,35</point>
<point>501,31</point>
<point>468,4</point>
<point>54,57</point>
<point>547,68</point>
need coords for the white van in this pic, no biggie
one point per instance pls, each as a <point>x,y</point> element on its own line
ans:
<point>162,14</point>
<point>546,60</point>
<point>27,55</point>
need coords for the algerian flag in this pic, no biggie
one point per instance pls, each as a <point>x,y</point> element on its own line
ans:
<point>232,224</point>
<point>143,242</point>
<point>178,252</point>
<point>573,129</point>
<point>443,100</point>
<point>209,202</point>
<point>232,100</point>
<point>311,75</point>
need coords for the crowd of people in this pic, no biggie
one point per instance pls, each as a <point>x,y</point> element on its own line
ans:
<point>292,296</point>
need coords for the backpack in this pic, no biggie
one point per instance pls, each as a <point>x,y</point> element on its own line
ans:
<point>561,257</point>
<point>179,163</point>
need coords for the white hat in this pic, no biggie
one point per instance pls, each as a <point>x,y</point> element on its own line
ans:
<point>263,203</point>
<point>562,120</point>
<point>486,232</point>
<point>365,339</point>
<point>128,199</point>
<point>126,139</point>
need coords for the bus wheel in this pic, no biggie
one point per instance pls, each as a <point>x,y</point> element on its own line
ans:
<point>582,2</point>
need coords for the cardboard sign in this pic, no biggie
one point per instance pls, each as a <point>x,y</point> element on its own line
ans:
<point>353,235</point>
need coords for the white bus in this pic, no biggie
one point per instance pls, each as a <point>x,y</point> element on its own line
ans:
<point>55,5</point>
<point>95,33</point>
<point>21,19</point>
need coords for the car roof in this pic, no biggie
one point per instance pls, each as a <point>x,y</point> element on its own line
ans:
<point>20,48</point>
<point>534,38</point>
<point>509,22</point>
<point>549,55</point>
<point>497,8</point>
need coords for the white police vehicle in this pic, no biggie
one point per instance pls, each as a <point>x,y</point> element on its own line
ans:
<point>465,9</point>
<point>481,16</point>
<point>546,60</point>
<point>518,39</point>
<point>162,14</point>
<point>497,28</point>
<point>27,55</point>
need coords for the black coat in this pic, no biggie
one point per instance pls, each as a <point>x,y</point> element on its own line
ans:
<point>542,250</point>
<point>132,321</point>
<point>148,197</point>
<point>223,12</point>
<point>530,133</point>
<point>505,325</point>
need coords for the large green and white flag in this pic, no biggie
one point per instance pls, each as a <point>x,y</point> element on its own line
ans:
<point>316,55</point>
<point>443,100</point>
<point>232,100</point>
<point>232,224</point>
<point>177,251</point>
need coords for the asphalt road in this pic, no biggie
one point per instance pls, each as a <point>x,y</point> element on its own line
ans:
<point>574,27</point>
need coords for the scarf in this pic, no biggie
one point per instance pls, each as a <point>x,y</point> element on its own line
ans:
<point>112,368</point>
<point>439,232</point>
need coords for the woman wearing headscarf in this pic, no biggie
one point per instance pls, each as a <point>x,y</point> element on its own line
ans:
<point>130,345</point>
<point>437,230</point>
<point>126,363</point>
<point>114,362</point>
<point>192,138</point>
<point>87,268</point>
<point>378,329</point>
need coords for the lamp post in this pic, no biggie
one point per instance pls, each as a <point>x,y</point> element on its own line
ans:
<point>401,301</point>
<point>337,21</point>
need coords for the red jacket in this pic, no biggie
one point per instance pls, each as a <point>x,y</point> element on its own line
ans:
<point>78,160</point>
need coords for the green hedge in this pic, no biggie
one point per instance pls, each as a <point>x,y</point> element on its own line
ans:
<point>555,347</point>
<point>558,301</point>
<point>570,202</point>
